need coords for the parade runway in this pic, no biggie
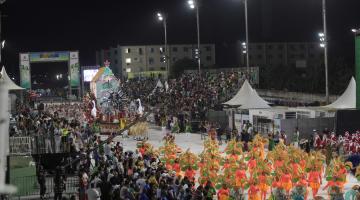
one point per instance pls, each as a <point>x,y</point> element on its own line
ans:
<point>195,144</point>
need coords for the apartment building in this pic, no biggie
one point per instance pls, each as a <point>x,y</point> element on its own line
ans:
<point>295,54</point>
<point>126,60</point>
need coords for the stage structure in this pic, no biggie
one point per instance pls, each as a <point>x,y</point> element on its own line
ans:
<point>71,57</point>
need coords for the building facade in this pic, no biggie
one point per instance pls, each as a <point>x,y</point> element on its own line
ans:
<point>298,55</point>
<point>126,60</point>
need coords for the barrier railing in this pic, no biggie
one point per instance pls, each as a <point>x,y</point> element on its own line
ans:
<point>29,186</point>
<point>20,145</point>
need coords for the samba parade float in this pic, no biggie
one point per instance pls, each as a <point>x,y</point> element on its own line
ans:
<point>109,109</point>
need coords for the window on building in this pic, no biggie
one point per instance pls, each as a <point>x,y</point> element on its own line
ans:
<point>208,48</point>
<point>174,59</point>
<point>259,56</point>
<point>311,55</point>
<point>140,51</point>
<point>302,56</point>
<point>115,52</point>
<point>136,59</point>
<point>151,61</point>
<point>127,50</point>
<point>270,46</point>
<point>186,49</point>
<point>116,61</point>
<point>292,56</point>
<point>280,56</point>
<point>259,47</point>
<point>280,47</point>
<point>128,61</point>
<point>175,49</point>
<point>208,58</point>
<point>292,47</point>
<point>162,68</point>
<point>269,57</point>
<point>152,50</point>
<point>151,69</point>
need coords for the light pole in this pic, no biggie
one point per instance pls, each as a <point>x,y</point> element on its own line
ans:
<point>247,37</point>
<point>324,44</point>
<point>163,18</point>
<point>194,4</point>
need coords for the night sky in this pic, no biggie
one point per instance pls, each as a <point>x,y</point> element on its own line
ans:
<point>43,25</point>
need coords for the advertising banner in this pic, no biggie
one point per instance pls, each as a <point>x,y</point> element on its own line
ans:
<point>89,74</point>
<point>25,79</point>
<point>74,69</point>
<point>49,56</point>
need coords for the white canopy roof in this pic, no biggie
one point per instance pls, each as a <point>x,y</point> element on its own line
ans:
<point>10,85</point>
<point>159,84</point>
<point>348,99</point>
<point>247,98</point>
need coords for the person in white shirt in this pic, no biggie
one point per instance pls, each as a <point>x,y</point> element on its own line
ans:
<point>92,193</point>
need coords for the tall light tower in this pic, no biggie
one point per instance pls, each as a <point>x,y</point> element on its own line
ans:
<point>2,43</point>
<point>194,4</point>
<point>247,37</point>
<point>324,44</point>
<point>163,18</point>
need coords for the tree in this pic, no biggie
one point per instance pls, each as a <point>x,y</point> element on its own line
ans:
<point>181,65</point>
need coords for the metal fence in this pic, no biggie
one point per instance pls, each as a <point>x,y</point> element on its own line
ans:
<point>28,186</point>
<point>20,145</point>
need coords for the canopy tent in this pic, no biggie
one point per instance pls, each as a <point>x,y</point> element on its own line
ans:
<point>166,86</point>
<point>348,99</point>
<point>247,98</point>
<point>9,84</point>
<point>159,84</point>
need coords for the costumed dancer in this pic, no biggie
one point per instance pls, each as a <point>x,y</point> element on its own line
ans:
<point>253,191</point>
<point>223,193</point>
<point>314,181</point>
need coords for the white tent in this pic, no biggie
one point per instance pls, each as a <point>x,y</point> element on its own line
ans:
<point>9,84</point>
<point>166,86</point>
<point>348,99</point>
<point>247,98</point>
<point>159,84</point>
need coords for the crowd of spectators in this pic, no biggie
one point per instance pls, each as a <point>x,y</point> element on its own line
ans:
<point>133,175</point>
<point>60,128</point>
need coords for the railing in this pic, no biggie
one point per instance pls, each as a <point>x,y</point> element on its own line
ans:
<point>20,145</point>
<point>29,186</point>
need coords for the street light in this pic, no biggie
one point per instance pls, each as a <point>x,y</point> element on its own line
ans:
<point>163,18</point>
<point>355,30</point>
<point>324,44</point>
<point>194,4</point>
<point>3,44</point>
<point>322,40</point>
<point>247,37</point>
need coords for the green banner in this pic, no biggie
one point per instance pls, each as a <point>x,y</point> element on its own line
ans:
<point>25,80</point>
<point>74,69</point>
<point>49,56</point>
<point>357,70</point>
